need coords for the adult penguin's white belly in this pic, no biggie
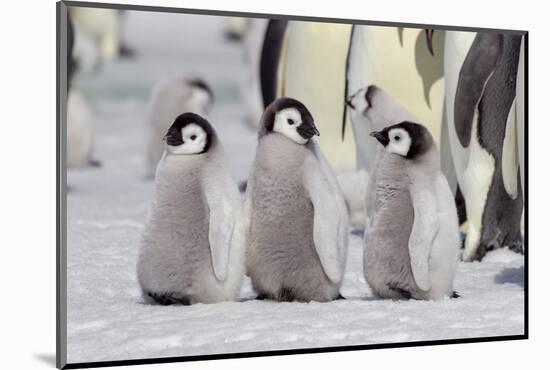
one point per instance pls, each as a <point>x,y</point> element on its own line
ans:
<point>314,73</point>
<point>473,164</point>
<point>398,61</point>
<point>280,88</point>
<point>457,46</point>
<point>251,90</point>
<point>520,112</point>
<point>520,121</point>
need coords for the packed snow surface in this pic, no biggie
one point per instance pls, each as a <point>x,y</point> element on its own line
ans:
<point>107,206</point>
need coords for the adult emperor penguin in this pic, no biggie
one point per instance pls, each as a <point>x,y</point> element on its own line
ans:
<point>192,246</point>
<point>412,235</point>
<point>480,75</point>
<point>295,213</point>
<point>168,100</point>
<point>314,74</point>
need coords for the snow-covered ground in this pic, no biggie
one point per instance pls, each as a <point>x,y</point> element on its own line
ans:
<point>107,206</point>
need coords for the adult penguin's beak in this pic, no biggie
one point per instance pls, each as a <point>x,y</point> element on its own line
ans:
<point>429,38</point>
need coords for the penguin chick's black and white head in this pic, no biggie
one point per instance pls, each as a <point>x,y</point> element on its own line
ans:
<point>201,94</point>
<point>290,118</point>
<point>189,134</point>
<point>406,139</point>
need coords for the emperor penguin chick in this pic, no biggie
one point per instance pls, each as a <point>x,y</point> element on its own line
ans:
<point>192,246</point>
<point>168,100</point>
<point>412,238</point>
<point>295,212</point>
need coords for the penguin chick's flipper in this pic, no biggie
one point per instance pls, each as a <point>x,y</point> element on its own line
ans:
<point>327,221</point>
<point>221,210</point>
<point>424,229</point>
<point>166,299</point>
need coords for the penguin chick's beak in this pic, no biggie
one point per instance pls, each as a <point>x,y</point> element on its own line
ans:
<point>308,131</point>
<point>315,131</point>
<point>381,136</point>
<point>170,139</point>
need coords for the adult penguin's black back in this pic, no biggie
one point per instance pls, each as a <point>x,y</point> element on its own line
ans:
<point>502,214</point>
<point>271,52</point>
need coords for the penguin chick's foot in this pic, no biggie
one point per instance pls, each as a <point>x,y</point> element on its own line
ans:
<point>242,186</point>
<point>403,292</point>
<point>284,295</point>
<point>95,163</point>
<point>166,299</point>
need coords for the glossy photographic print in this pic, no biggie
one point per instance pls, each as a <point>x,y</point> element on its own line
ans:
<point>236,185</point>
